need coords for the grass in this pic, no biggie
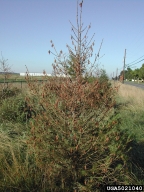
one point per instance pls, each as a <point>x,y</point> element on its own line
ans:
<point>18,78</point>
<point>130,101</point>
<point>132,95</point>
<point>18,81</point>
<point>18,166</point>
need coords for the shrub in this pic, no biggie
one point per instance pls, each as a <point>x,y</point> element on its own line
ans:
<point>9,92</point>
<point>15,110</point>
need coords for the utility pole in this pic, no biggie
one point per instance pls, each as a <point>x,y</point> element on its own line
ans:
<point>124,66</point>
<point>113,79</point>
<point>116,74</point>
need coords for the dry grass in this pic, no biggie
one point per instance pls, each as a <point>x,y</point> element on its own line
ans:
<point>132,95</point>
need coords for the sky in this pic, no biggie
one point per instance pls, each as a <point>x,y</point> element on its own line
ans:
<point>28,26</point>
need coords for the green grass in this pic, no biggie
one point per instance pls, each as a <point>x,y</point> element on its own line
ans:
<point>130,104</point>
<point>134,123</point>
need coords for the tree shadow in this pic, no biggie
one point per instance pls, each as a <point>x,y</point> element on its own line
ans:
<point>136,155</point>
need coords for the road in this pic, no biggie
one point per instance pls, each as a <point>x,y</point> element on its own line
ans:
<point>139,85</point>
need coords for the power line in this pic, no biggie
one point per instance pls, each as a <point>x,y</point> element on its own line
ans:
<point>137,38</point>
<point>128,66</point>
<point>135,60</point>
<point>132,64</point>
<point>138,62</point>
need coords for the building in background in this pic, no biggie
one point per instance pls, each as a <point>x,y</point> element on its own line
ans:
<point>34,74</point>
<point>41,74</point>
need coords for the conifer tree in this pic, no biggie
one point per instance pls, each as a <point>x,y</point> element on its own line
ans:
<point>79,63</point>
<point>76,139</point>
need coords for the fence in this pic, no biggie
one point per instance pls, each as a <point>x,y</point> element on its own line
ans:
<point>8,83</point>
